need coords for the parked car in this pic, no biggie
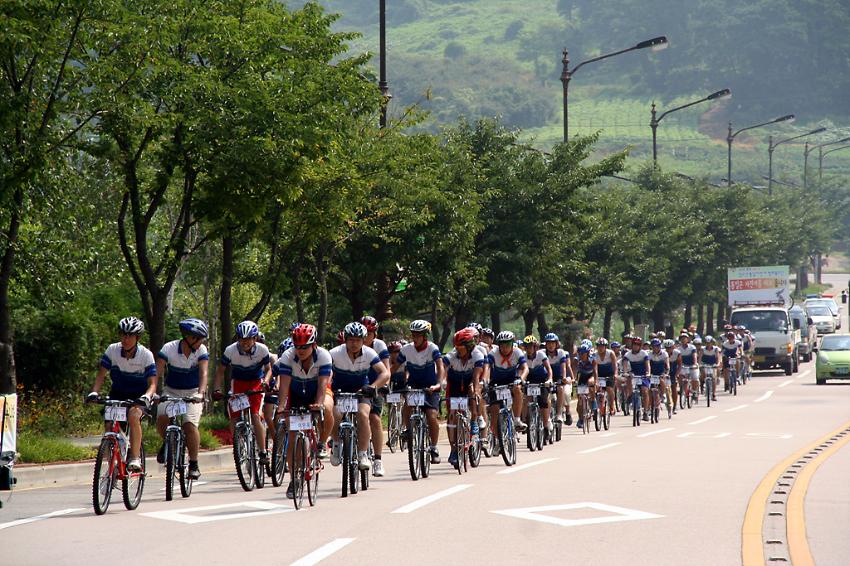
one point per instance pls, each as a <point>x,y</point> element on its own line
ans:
<point>833,361</point>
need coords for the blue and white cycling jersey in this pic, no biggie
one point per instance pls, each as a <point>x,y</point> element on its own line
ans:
<point>459,371</point>
<point>504,369</point>
<point>537,367</point>
<point>558,357</point>
<point>658,363</point>
<point>637,362</point>
<point>129,376</point>
<point>290,365</point>
<point>421,365</point>
<point>688,354</point>
<point>730,349</point>
<point>710,355</point>
<point>350,375</point>
<point>747,343</point>
<point>605,364</point>
<point>246,366</point>
<point>183,370</point>
<point>383,352</point>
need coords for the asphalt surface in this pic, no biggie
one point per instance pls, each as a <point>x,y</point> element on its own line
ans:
<point>670,493</point>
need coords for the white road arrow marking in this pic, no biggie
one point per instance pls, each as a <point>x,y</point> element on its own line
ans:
<point>260,509</point>
<point>610,514</point>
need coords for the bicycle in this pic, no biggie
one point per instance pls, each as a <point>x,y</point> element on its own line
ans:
<point>622,397</point>
<point>394,436</point>
<point>280,445</point>
<point>553,407</point>
<point>601,418</point>
<point>583,392</point>
<point>248,469</point>
<point>505,423</point>
<point>534,437</point>
<point>635,401</point>
<point>348,406</point>
<point>669,402</point>
<point>418,435</point>
<point>111,461</point>
<point>306,465</point>
<point>654,398</point>
<point>709,383</point>
<point>733,378</point>
<point>467,448</point>
<point>176,457</point>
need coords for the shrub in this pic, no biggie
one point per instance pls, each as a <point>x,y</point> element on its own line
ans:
<point>37,449</point>
<point>454,50</point>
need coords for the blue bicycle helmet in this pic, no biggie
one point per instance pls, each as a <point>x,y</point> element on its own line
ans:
<point>247,329</point>
<point>551,337</point>
<point>655,342</point>
<point>615,345</point>
<point>195,327</point>
<point>284,346</point>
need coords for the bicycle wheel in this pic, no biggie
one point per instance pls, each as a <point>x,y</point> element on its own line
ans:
<point>393,422</point>
<point>708,393</point>
<point>491,446</point>
<point>313,474</point>
<point>170,463</point>
<point>459,446</point>
<point>413,456</point>
<point>242,457</point>
<point>345,461</point>
<point>656,409</point>
<point>606,416</point>
<point>475,451</point>
<point>259,468</point>
<point>424,449</point>
<point>278,465</point>
<point>299,470</point>
<point>183,471</point>
<point>541,437</point>
<point>733,382</point>
<point>507,439</point>
<point>364,476</point>
<point>635,409</point>
<point>105,468</point>
<point>531,434</point>
<point>133,485</point>
<point>596,423</point>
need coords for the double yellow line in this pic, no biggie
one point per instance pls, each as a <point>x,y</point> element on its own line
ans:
<point>798,545</point>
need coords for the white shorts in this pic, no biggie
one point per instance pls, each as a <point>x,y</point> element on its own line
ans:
<point>193,410</point>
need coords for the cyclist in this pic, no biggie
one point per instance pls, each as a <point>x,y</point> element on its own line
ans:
<point>464,368</point>
<point>480,405</point>
<point>688,367</point>
<point>659,362</point>
<point>636,363</point>
<point>709,356</point>
<point>562,375</point>
<point>250,370</point>
<point>606,367</point>
<point>507,364</point>
<point>587,373</point>
<point>132,371</point>
<point>731,354</point>
<point>424,364</point>
<point>187,361</point>
<point>271,398</point>
<point>672,386</point>
<point>372,341</point>
<point>487,338</point>
<point>539,371</point>
<point>746,345</point>
<point>305,371</point>
<point>352,362</point>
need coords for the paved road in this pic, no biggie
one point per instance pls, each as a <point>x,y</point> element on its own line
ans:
<point>673,493</point>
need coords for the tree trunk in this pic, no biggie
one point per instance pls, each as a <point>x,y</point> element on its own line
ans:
<point>383,294</point>
<point>701,319</point>
<point>8,377</point>
<point>434,325</point>
<point>819,268</point>
<point>496,319</point>
<point>446,331</point>
<point>157,321</point>
<point>709,318</point>
<point>297,270</point>
<point>542,326</point>
<point>606,323</point>
<point>322,268</point>
<point>689,315</point>
<point>225,295</point>
<point>721,319</point>
<point>803,279</point>
<point>627,322</point>
<point>528,317</point>
<point>657,315</point>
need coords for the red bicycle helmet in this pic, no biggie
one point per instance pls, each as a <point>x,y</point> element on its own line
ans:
<point>370,322</point>
<point>304,335</point>
<point>465,337</point>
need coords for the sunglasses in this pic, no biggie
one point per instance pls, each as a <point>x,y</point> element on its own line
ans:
<point>307,347</point>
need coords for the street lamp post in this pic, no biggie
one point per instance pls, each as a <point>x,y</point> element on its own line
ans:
<point>653,123</point>
<point>772,146</point>
<point>807,150</point>
<point>382,81</point>
<point>656,44</point>
<point>824,154</point>
<point>730,137</point>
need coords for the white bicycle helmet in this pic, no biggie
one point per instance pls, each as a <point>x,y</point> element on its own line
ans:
<point>420,326</point>
<point>131,325</point>
<point>195,327</point>
<point>506,336</point>
<point>355,330</point>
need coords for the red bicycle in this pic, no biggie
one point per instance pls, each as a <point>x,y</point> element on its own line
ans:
<point>111,463</point>
<point>306,465</point>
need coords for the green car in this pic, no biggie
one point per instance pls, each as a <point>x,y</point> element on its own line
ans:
<point>833,358</point>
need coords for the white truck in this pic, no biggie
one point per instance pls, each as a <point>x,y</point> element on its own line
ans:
<point>760,300</point>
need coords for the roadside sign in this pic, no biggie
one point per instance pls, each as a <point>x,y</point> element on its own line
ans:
<point>758,285</point>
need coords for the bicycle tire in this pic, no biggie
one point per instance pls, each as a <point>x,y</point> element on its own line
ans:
<point>606,416</point>
<point>299,470</point>
<point>278,459</point>
<point>259,467</point>
<point>734,383</point>
<point>424,448</point>
<point>315,468</point>
<point>186,482</point>
<point>558,431</point>
<point>531,434</point>
<point>459,447</point>
<point>507,440</point>
<point>133,484</point>
<point>541,437</point>
<point>170,463</point>
<point>104,475</point>
<point>364,480</point>
<point>354,470</point>
<point>596,424</point>
<point>392,428</point>
<point>413,458</point>
<point>475,452</point>
<point>707,393</point>
<point>635,409</point>
<point>242,457</point>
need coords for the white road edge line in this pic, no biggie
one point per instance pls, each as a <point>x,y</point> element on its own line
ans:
<point>514,469</point>
<point>764,397</point>
<point>39,518</point>
<point>703,420</point>
<point>788,382</point>
<point>659,431</point>
<point>738,408</point>
<point>598,448</point>
<point>413,506</point>
<point>323,552</point>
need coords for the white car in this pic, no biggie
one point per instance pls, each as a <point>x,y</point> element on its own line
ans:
<point>830,304</point>
<point>822,317</point>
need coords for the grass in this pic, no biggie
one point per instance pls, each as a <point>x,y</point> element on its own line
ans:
<point>37,449</point>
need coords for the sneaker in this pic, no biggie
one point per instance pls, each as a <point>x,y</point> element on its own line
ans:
<point>264,458</point>
<point>645,416</point>
<point>453,459</point>
<point>160,456</point>
<point>363,461</point>
<point>559,420</point>
<point>474,429</point>
<point>569,419</point>
<point>194,472</point>
<point>481,423</point>
<point>336,458</point>
<point>551,428</point>
<point>134,465</point>
<point>580,423</point>
<point>435,455</point>
<point>519,425</point>
<point>290,491</point>
<point>323,451</point>
<point>378,469</point>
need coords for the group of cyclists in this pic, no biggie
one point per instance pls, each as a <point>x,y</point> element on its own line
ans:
<point>302,375</point>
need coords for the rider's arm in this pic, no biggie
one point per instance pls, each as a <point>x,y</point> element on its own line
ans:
<point>595,370</point>
<point>203,372</point>
<point>476,378</point>
<point>522,372</point>
<point>99,379</point>
<point>548,367</point>
<point>160,368</point>
<point>283,388</point>
<point>441,373</point>
<point>219,376</point>
<point>383,375</point>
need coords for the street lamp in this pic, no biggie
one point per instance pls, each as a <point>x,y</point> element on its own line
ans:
<point>730,137</point>
<point>656,44</point>
<point>771,146</point>
<point>653,123</point>
<point>382,81</point>
<point>824,154</point>
<point>807,150</point>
